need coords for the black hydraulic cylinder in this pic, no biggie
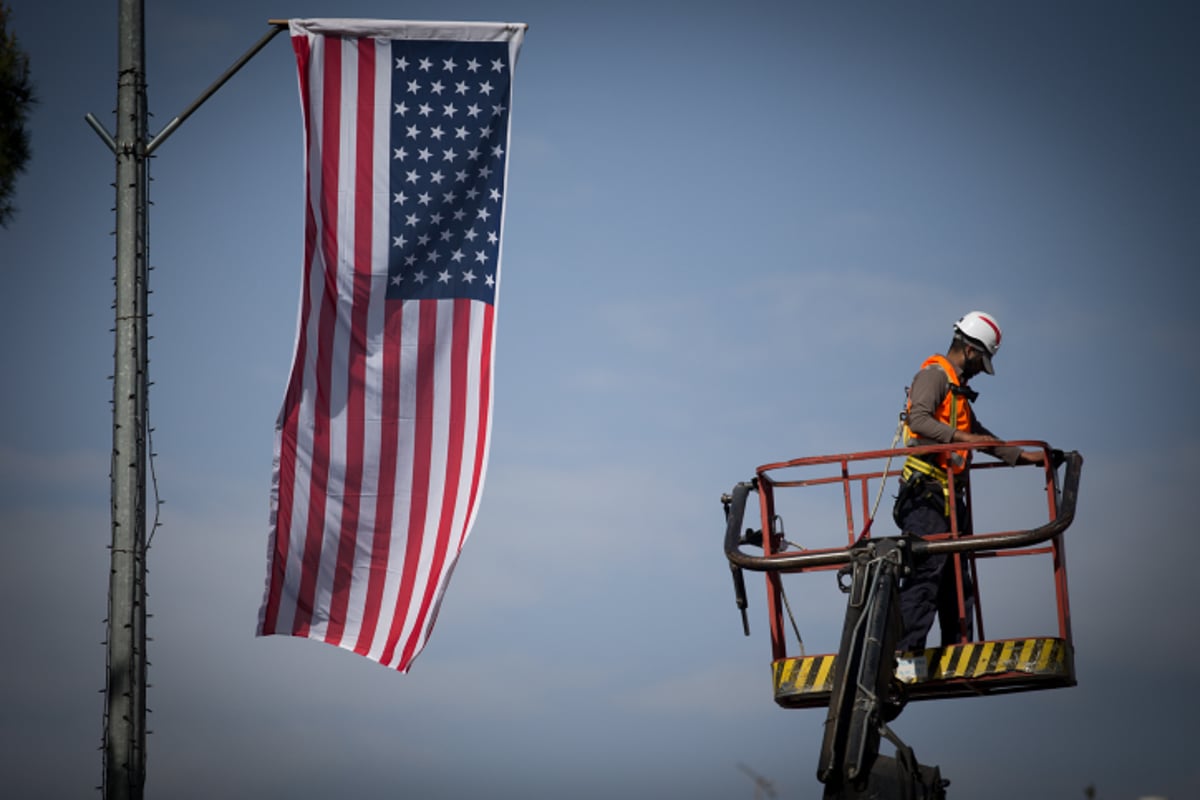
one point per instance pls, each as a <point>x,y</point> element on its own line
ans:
<point>863,691</point>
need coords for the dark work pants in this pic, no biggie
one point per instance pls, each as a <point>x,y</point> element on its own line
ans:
<point>930,589</point>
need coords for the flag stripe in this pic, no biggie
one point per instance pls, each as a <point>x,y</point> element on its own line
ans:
<point>361,298</point>
<point>327,316</point>
<point>422,455</point>
<point>381,535</point>
<point>285,448</point>
<point>459,327</point>
<point>382,441</point>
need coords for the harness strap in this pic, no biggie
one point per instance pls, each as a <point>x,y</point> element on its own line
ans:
<point>913,464</point>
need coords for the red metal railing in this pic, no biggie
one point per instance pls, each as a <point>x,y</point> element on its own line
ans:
<point>855,473</point>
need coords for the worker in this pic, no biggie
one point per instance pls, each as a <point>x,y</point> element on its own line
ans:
<point>939,412</point>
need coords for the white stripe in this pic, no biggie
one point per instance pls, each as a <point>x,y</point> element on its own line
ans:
<point>373,411</point>
<point>443,370</point>
<point>471,440</point>
<point>405,433</point>
<point>307,362</point>
<point>460,525</point>
<point>335,485</point>
<point>437,470</point>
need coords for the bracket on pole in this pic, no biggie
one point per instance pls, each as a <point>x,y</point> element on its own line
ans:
<point>276,26</point>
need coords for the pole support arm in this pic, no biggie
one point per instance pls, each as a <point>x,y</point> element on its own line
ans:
<point>276,27</point>
<point>101,131</point>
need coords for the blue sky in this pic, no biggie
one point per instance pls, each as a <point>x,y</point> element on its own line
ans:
<point>733,233</point>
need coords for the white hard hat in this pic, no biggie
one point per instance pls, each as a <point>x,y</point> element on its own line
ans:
<point>983,331</point>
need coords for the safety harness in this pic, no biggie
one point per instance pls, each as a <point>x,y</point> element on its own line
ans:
<point>919,465</point>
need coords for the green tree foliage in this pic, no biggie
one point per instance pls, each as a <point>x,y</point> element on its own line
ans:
<point>16,98</point>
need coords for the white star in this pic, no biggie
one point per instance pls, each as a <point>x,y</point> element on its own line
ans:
<point>498,110</point>
<point>425,109</point>
<point>401,108</point>
<point>485,87</point>
<point>423,154</point>
<point>413,87</point>
<point>409,260</point>
<point>444,277</point>
<point>413,131</point>
<point>497,65</point>
<point>433,256</point>
<point>460,133</point>
<point>449,197</point>
<point>400,198</point>
<point>461,175</point>
<point>470,235</point>
<point>472,193</point>
<point>481,256</point>
<point>436,219</point>
<point>492,237</point>
<point>456,256</point>
<point>472,65</point>
<point>425,64</point>
<point>460,87</point>
<point>485,131</point>
<point>490,281</point>
<point>448,64</point>
<point>469,276</point>
<point>459,214</point>
<point>445,236</point>
<point>411,219</point>
<point>436,176</point>
<point>473,154</point>
<point>485,172</point>
<point>449,111</point>
<point>401,63</point>
<point>497,151</point>
<point>396,279</point>
<point>420,277</point>
<point>482,214</point>
<point>437,132</point>
<point>400,153</point>
<point>399,241</point>
<point>449,155</point>
<point>411,176</point>
<point>495,194</point>
<point>473,110</point>
<point>423,198</point>
<point>436,87</point>
<point>423,239</point>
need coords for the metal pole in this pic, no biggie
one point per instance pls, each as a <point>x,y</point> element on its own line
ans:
<point>125,733</point>
<point>125,682</point>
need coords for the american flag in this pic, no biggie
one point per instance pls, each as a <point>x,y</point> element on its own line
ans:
<point>382,441</point>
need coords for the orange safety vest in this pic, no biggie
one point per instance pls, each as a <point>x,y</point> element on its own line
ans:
<point>955,411</point>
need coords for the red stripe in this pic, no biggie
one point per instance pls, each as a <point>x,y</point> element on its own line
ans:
<point>426,349</point>
<point>459,350</point>
<point>485,391</point>
<point>993,326</point>
<point>291,402</point>
<point>311,562</point>
<point>364,195</point>
<point>388,431</point>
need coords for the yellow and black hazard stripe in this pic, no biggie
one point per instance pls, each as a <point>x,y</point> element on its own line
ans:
<point>981,659</point>
<point>1011,665</point>
<point>804,675</point>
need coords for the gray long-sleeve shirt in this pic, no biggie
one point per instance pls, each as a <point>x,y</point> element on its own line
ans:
<point>929,388</point>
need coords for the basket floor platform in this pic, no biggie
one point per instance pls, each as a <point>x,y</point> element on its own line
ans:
<point>960,670</point>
